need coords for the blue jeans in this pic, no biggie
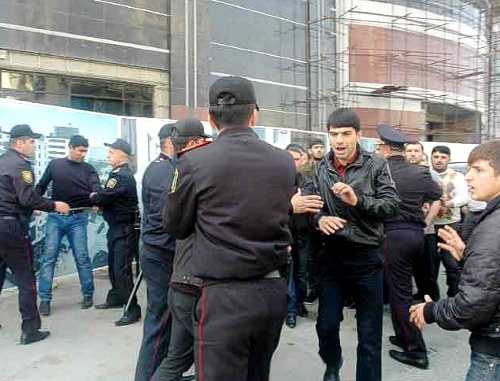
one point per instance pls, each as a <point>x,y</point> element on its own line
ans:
<point>74,227</point>
<point>483,367</point>
<point>358,275</point>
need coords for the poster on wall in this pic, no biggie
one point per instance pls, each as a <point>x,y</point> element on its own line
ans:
<point>57,125</point>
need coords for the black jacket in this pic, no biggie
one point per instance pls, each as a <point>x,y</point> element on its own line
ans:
<point>377,198</point>
<point>476,306</point>
<point>301,223</point>
<point>119,197</point>
<point>18,197</point>
<point>156,183</point>
<point>415,186</point>
<point>234,195</point>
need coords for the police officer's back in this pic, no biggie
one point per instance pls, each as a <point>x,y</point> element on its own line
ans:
<point>234,195</point>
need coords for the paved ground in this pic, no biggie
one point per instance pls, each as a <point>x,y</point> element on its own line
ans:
<point>86,346</point>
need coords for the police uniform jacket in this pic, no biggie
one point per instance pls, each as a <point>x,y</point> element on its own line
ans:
<point>118,199</point>
<point>18,197</point>
<point>234,195</point>
<point>156,183</point>
<point>415,186</point>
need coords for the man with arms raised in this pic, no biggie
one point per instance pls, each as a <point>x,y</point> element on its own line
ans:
<point>476,305</point>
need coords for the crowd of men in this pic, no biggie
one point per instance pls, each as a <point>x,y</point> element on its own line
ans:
<point>238,236</point>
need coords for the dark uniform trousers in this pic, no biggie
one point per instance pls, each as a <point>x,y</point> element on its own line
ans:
<point>3,270</point>
<point>425,271</point>
<point>157,270</point>
<point>238,326</point>
<point>452,266</point>
<point>404,248</point>
<point>16,253</point>
<point>181,349</point>
<point>122,248</point>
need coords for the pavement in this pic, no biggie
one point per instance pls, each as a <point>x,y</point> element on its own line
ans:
<point>86,346</point>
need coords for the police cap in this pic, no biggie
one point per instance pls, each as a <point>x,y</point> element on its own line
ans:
<point>166,131</point>
<point>393,137</point>
<point>21,131</point>
<point>120,144</point>
<point>230,91</point>
<point>186,128</point>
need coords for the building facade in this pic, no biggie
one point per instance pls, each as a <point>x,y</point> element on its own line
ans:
<point>417,64</point>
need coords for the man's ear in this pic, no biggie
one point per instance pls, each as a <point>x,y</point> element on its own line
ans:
<point>253,118</point>
<point>212,124</point>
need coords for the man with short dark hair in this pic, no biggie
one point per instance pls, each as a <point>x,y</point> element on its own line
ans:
<point>119,203</point>
<point>234,197</point>
<point>317,149</point>
<point>404,243</point>
<point>18,199</point>
<point>455,196</point>
<point>359,195</point>
<point>414,152</point>
<point>476,305</point>
<point>73,180</point>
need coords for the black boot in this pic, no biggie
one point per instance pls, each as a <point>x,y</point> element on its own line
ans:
<point>44,308</point>
<point>416,359</point>
<point>33,337</point>
<point>395,341</point>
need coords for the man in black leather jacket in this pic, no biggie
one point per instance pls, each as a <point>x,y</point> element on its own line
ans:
<point>476,306</point>
<point>359,195</point>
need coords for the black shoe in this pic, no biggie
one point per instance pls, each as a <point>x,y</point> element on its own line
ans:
<point>291,321</point>
<point>395,341</point>
<point>86,302</point>
<point>302,311</point>
<point>107,306</point>
<point>418,360</point>
<point>313,295</point>
<point>332,372</point>
<point>44,308</point>
<point>128,319</point>
<point>33,337</point>
<point>188,378</point>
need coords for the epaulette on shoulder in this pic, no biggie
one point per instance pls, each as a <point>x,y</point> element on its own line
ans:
<point>116,170</point>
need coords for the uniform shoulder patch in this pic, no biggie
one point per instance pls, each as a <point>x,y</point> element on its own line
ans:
<point>116,170</point>
<point>27,177</point>
<point>111,183</point>
<point>174,181</point>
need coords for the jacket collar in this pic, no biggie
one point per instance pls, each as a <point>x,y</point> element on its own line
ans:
<point>363,157</point>
<point>490,208</point>
<point>245,130</point>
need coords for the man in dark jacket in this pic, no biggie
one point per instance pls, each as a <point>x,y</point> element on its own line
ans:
<point>359,195</point>
<point>119,204</point>
<point>18,199</point>
<point>184,286</point>
<point>476,306</point>
<point>234,197</point>
<point>156,258</point>
<point>404,243</point>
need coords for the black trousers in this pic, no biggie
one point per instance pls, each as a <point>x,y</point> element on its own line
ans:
<point>3,270</point>
<point>16,253</point>
<point>157,271</point>
<point>404,248</point>
<point>238,326</point>
<point>181,350</point>
<point>122,249</point>
<point>425,271</point>
<point>452,266</point>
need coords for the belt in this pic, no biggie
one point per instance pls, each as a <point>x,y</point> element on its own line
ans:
<point>273,274</point>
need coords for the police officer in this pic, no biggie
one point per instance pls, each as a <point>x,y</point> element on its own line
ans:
<point>156,258</point>
<point>18,199</point>
<point>234,197</point>
<point>119,203</point>
<point>405,243</point>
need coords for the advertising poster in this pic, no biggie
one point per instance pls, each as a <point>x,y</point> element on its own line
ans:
<point>57,125</point>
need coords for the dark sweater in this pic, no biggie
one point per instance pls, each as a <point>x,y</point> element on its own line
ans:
<point>72,182</point>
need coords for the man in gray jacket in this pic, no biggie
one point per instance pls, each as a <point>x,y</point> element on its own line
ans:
<point>476,306</point>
